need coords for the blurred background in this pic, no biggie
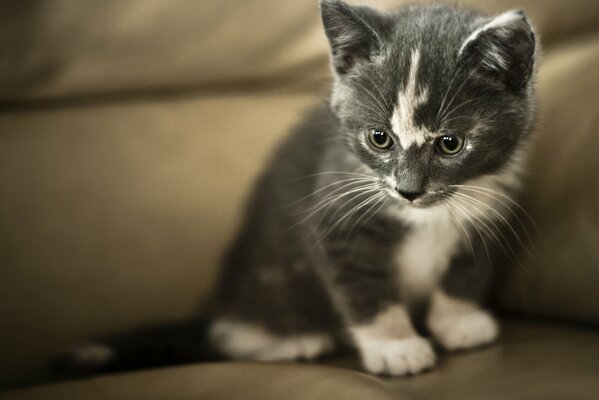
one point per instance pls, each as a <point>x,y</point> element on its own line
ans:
<point>130,133</point>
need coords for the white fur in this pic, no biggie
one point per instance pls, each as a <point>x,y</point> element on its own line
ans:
<point>393,323</point>
<point>408,101</point>
<point>390,344</point>
<point>397,356</point>
<point>436,233</point>
<point>423,256</point>
<point>458,324</point>
<point>243,341</point>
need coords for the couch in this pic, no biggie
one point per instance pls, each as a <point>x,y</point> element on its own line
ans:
<point>130,134</point>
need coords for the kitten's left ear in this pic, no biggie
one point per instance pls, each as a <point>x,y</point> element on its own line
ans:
<point>504,48</point>
<point>352,32</point>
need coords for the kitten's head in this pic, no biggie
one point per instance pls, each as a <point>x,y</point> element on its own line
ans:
<point>431,96</point>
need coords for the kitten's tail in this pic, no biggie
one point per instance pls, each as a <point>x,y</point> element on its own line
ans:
<point>158,346</point>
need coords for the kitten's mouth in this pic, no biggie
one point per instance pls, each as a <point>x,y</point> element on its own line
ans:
<point>423,202</point>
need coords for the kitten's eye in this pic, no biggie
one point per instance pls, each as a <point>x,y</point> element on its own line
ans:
<point>450,145</point>
<point>380,139</point>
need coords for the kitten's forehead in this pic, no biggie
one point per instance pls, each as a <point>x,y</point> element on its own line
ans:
<point>411,96</point>
<point>427,42</point>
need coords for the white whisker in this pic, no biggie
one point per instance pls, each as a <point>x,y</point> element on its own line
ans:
<point>500,217</point>
<point>502,242</point>
<point>489,192</point>
<point>470,217</point>
<point>349,213</point>
<point>351,181</point>
<point>328,201</point>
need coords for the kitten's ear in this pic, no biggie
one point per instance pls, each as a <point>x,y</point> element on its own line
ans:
<point>504,48</point>
<point>352,33</point>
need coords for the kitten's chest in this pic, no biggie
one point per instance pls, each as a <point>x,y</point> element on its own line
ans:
<point>425,252</point>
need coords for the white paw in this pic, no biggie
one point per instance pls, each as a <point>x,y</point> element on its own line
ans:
<point>469,329</point>
<point>397,356</point>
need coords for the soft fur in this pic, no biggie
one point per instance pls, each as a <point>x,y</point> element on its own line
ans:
<point>344,243</point>
<point>330,248</point>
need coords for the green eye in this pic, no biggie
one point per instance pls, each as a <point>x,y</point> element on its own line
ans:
<point>380,139</point>
<point>450,145</point>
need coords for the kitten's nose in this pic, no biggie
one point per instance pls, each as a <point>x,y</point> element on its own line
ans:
<point>410,195</point>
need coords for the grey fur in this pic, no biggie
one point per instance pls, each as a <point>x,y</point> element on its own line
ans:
<point>296,267</point>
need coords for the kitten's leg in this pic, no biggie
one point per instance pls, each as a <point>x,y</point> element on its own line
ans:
<point>388,344</point>
<point>245,341</point>
<point>362,281</point>
<point>455,317</point>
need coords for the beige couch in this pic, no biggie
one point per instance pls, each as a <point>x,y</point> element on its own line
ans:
<point>130,133</point>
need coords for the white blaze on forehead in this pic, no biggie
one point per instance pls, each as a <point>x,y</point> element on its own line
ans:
<point>408,101</point>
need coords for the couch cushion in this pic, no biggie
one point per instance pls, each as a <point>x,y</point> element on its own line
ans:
<point>562,192</point>
<point>222,381</point>
<point>64,48</point>
<point>532,361</point>
<point>115,215</point>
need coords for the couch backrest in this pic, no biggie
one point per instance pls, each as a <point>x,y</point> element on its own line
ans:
<point>64,48</point>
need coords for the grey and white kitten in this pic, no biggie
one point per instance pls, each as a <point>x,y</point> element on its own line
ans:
<point>373,224</point>
<point>363,227</point>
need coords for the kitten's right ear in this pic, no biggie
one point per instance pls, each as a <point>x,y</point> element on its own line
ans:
<point>351,32</point>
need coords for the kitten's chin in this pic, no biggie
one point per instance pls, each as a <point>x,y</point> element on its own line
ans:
<point>421,205</point>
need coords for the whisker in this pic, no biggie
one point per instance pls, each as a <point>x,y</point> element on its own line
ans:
<point>453,77</point>
<point>330,173</point>
<point>376,99</point>
<point>349,213</point>
<point>503,242</point>
<point>444,120</point>
<point>356,192</point>
<point>376,112</point>
<point>381,196</point>
<point>489,191</point>
<point>328,201</point>
<point>350,180</point>
<point>536,254</point>
<point>456,93</point>
<point>501,217</point>
<point>447,206</point>
<point>477,226</point>
<point>379,208</point>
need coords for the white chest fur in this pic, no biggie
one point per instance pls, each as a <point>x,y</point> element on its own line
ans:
<point>424,254</point>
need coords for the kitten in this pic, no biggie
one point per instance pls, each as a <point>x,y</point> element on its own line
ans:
<point>361,225</point>
<point>373,223</point>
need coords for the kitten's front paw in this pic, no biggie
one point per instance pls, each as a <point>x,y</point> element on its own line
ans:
<point>466,330</point>
<point>397,356</point>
